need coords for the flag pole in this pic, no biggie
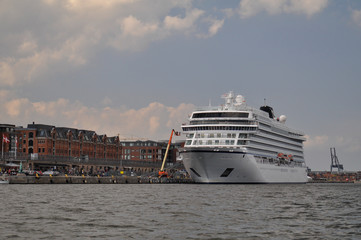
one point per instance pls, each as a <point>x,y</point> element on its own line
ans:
<point>2,148</point>
<point>16,142</point>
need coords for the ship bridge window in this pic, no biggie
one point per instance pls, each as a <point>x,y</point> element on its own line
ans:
<point>188,142</point>
<point>221,115</point>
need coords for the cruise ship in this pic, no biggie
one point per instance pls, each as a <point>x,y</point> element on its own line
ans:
<point>235,143</point>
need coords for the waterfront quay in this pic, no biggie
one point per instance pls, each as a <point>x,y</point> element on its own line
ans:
<point>334,177</point>
<point>43,148</point>
<point>94,180</point>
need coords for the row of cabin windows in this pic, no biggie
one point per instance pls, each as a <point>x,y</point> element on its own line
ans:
<point>217,128</point>
<point>221,115</point>
<point>215,142</point>
<point>217,135</point>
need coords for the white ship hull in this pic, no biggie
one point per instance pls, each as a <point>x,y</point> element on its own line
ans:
<point>217,166</point>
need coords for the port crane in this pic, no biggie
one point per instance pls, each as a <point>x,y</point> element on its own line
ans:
<point>162,172</point>
<point>334,161</point>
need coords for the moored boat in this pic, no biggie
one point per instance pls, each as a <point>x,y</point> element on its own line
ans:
<point>235,143</point>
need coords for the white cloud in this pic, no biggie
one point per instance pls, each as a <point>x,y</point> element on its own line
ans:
<point>316,141</point>
<point>131,26</point>
<point>66,35</point>
<point>356,16</point>
<point>135,34</point>
<point>154,124</point>
<point>153,121</point>
<point>16,107</point>
<point>186,23</point>
<point>348,142</point>
<point>249,8</point>
<point>214,26</point>
<point>28,46</point>
<point>7,76</point>
<point>80,5</point>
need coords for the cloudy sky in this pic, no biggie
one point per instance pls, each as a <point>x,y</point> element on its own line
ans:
<point>138,68</point>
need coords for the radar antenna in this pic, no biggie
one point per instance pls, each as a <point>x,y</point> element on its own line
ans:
<point>334,161</point>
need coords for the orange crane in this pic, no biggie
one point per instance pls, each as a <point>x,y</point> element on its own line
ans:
<point>162,172</point>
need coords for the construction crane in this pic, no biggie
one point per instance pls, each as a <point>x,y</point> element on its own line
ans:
<point>334,161</point>
<point>162,172</point>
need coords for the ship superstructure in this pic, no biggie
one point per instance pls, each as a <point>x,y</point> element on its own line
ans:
<point>235,143</point>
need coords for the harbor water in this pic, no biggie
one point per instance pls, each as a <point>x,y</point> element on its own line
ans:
<point>180,211</point>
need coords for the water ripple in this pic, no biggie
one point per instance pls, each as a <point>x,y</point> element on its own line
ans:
<point>310,211</point>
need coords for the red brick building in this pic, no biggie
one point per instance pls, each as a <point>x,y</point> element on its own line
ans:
<point>51,145</point>
<point>146,150</point>
<point>47,140</point>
